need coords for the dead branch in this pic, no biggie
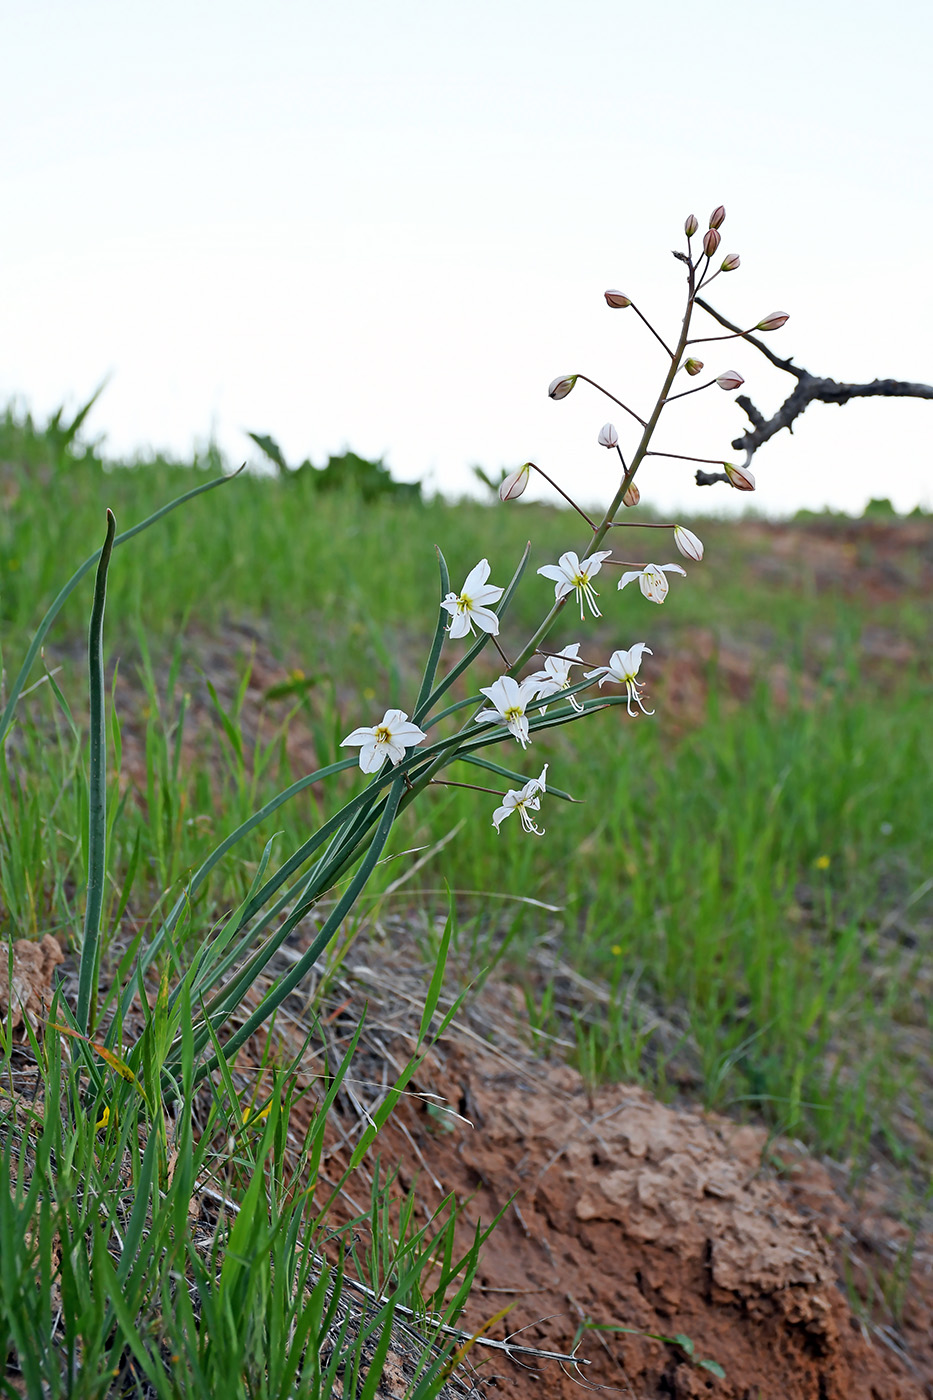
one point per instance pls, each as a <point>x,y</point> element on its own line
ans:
<point>809,388</point>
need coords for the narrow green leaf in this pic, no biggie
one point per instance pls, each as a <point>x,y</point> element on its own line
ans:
<point>50,616</point>
<point>434,656</point>
<point>97,782</point>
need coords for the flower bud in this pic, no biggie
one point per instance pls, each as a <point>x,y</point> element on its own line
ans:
<point>690,225</point>
<point>774,322</point>
<point>718,217</point>
<point>730,262</point>
<point>730,380</point>
<point>711,240</point>
<point>617,299</point>
<point>688,544</point>
<point>512,486</point>
<point>560,387</point>
<point>632,496</point>
<point>693,366</point>
<point>608,437</point>
<point>740,477</point>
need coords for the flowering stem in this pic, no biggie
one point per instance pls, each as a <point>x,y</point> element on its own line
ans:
<point>652,330</point>
<point>683,395</point>
<point>628,410</point>
<point>560,492</point>
<point>640,453</point>
<point>474,787</point>
<point>705,339</point>
<point>495,642</point>
<point>640,524</point>
<point>682,457</point>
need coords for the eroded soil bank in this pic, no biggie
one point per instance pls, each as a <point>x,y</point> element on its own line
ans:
<point>633,1214</point>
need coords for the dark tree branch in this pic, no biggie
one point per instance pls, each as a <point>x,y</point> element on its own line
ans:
<point>810,388</point>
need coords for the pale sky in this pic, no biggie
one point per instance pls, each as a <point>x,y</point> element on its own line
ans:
<point>389,225</point>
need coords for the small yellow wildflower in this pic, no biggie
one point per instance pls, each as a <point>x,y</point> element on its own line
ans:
<point>822,862</point>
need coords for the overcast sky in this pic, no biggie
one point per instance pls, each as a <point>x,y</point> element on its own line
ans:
<point>389,225</point>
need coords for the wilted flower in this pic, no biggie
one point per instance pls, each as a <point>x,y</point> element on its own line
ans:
<point>617,299</point>
<point>509,699</point>
<point>711,239</point>
<point>512,486</point>
<point>693,366</point>
<point>740,477</point>
<point>623,668</point>
<point>632,496</point>
<point>730,380</point>
<point>690,225</point>
<point>651,580</point>
<point>688,543</point>
<point>774,322</point>
<point>524,801</point>
<point>718,217</point>
<point>556,674</point>
<point>560,387</point>
<point>568,574</point>
<point>608,436</point>
<point>730,262</point>
<point>470,606</point>
<point>389,740</point>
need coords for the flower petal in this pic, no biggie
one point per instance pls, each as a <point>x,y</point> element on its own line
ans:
<point>628,577</point>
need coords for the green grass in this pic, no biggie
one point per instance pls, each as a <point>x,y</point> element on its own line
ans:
<point>139,1257</point>
<point>740,867</point>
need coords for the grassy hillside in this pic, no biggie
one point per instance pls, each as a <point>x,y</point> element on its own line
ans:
<point>748,869</point>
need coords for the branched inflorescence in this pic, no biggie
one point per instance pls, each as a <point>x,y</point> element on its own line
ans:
<point>516,702</point>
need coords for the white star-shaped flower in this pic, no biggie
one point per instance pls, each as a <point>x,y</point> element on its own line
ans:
<point>509,700</point>
<point>569,574</point>
<point>522,801</point>
<point>556,674</point>
<point>470,607</point>
<point>652,581</point>
<point>389,740</point>
<point>622,669</point>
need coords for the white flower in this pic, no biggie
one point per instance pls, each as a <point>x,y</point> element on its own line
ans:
<point>742,479</point>
<point>522,802</point>
<point>556,674</point>
<point>651,580</point>
<point>690,546</point>
<point>389,739</point>
<point>623,668</point>
<point>509,700</point>
<point>560,387</point>
<point>512,486</point>
<point>568,574</point>
<point>608,436</point>
<point>471,607</point>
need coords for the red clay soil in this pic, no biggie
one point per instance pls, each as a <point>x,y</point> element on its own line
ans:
<point>636,1215</point>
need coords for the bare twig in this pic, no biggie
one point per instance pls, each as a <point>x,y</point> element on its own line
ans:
<point>810,388</point>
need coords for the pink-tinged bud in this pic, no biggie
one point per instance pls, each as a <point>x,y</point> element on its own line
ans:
<point>512,486</point>
<point>718,216</point>
<point>730,262</point>
<point>693,366</point>
<point>730,380</point>
<point>740,477</point>
<point>608,437</point>
<point>688,544</point>
<point>632,496</point>
<point>774,322</point>
<point>617,299</point>
<point>560,387</point>
<point>711,241</point>
<point>690,225</point>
